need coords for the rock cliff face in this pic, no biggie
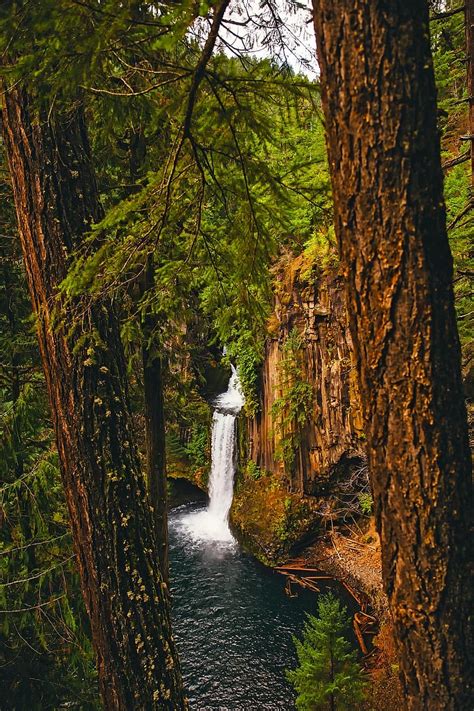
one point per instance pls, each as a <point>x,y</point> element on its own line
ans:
<point>330,428</point>
<point>306,439</point>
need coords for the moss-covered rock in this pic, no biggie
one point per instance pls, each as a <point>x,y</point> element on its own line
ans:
<point>182,469</point>
<point>266,518</point>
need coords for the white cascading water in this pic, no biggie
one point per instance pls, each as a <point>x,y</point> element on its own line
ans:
<point>213,523</point>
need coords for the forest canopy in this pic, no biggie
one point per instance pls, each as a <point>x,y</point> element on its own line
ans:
<point>167,170</point>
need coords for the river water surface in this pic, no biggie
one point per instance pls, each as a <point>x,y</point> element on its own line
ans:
<point>233,622</point>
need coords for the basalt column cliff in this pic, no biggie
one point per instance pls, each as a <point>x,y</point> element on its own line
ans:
<point>302,451</point>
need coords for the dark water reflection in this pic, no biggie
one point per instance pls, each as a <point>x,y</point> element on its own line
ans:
<point>233,623</point>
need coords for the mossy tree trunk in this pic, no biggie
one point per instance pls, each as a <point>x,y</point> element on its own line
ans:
<point>56,202</point>
<point>379,101</point>
<point>152,361</point>
<point>155,424</point>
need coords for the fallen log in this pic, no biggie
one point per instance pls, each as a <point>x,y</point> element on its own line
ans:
<point>288,589</point>
<point>301,569</point>
<point>360,637</point>
<point>366,617</point>
<point>352,592</point>
<point>309,586</point>
<point>302,582</point>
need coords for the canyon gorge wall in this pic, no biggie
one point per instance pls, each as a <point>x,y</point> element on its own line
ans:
<point>329,437</point>
<point>305,443</point>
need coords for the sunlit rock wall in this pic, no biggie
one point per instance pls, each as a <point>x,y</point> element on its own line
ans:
<point>331,436</point>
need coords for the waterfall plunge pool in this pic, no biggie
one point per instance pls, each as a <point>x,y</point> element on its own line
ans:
<point>232,621</point>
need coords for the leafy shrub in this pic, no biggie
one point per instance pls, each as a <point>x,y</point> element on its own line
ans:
<point>249,356</point>
<point>253,471</point>
<point>197,449</point>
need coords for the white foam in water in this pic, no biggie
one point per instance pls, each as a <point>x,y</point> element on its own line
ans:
<point>213,523</point>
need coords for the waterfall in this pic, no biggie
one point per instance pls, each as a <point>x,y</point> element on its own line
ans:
<point>212,524</point>
<point>221,480</point>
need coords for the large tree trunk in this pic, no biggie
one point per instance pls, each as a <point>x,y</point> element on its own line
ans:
<point>469,19</point>
<point>379,101</point>
<point>56,202</point>
<point>155,425</point>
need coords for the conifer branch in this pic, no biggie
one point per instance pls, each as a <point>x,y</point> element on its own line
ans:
<point>447,13</point>
<point>462,158</point>
<point>202,64</point>
<point>38,575</point>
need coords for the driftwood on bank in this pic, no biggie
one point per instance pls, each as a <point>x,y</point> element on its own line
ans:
<point>364,624</point>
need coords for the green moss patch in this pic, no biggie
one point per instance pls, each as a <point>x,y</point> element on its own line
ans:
<point>266,518</point>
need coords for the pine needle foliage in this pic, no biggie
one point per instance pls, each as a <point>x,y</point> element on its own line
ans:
<point>449,55</point>
<point>328,676</point>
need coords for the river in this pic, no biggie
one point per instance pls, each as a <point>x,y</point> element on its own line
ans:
<point>233,622</point>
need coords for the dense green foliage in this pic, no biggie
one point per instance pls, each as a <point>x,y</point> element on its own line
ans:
<point>448,40</point>
<point>328,675</point>
<point>366,503</point>
<point>212,191</point>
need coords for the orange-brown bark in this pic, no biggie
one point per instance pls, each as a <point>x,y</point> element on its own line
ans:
<point>56,202</point>
<point>379,101</point>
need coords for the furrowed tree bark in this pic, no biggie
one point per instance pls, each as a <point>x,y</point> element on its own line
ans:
<point>56,202</point>
<point>155,436</point>
<point>379,101</point>
<point>155,426</point>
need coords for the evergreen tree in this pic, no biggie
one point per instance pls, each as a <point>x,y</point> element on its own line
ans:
<point>124,594</point>
<point>328,675</point>
<point>46,657</point>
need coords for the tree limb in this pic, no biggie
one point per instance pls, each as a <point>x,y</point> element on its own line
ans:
<point>447,13</point>
<point>201,67</point>
<point>462,214</point>
<point>461,158</point>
